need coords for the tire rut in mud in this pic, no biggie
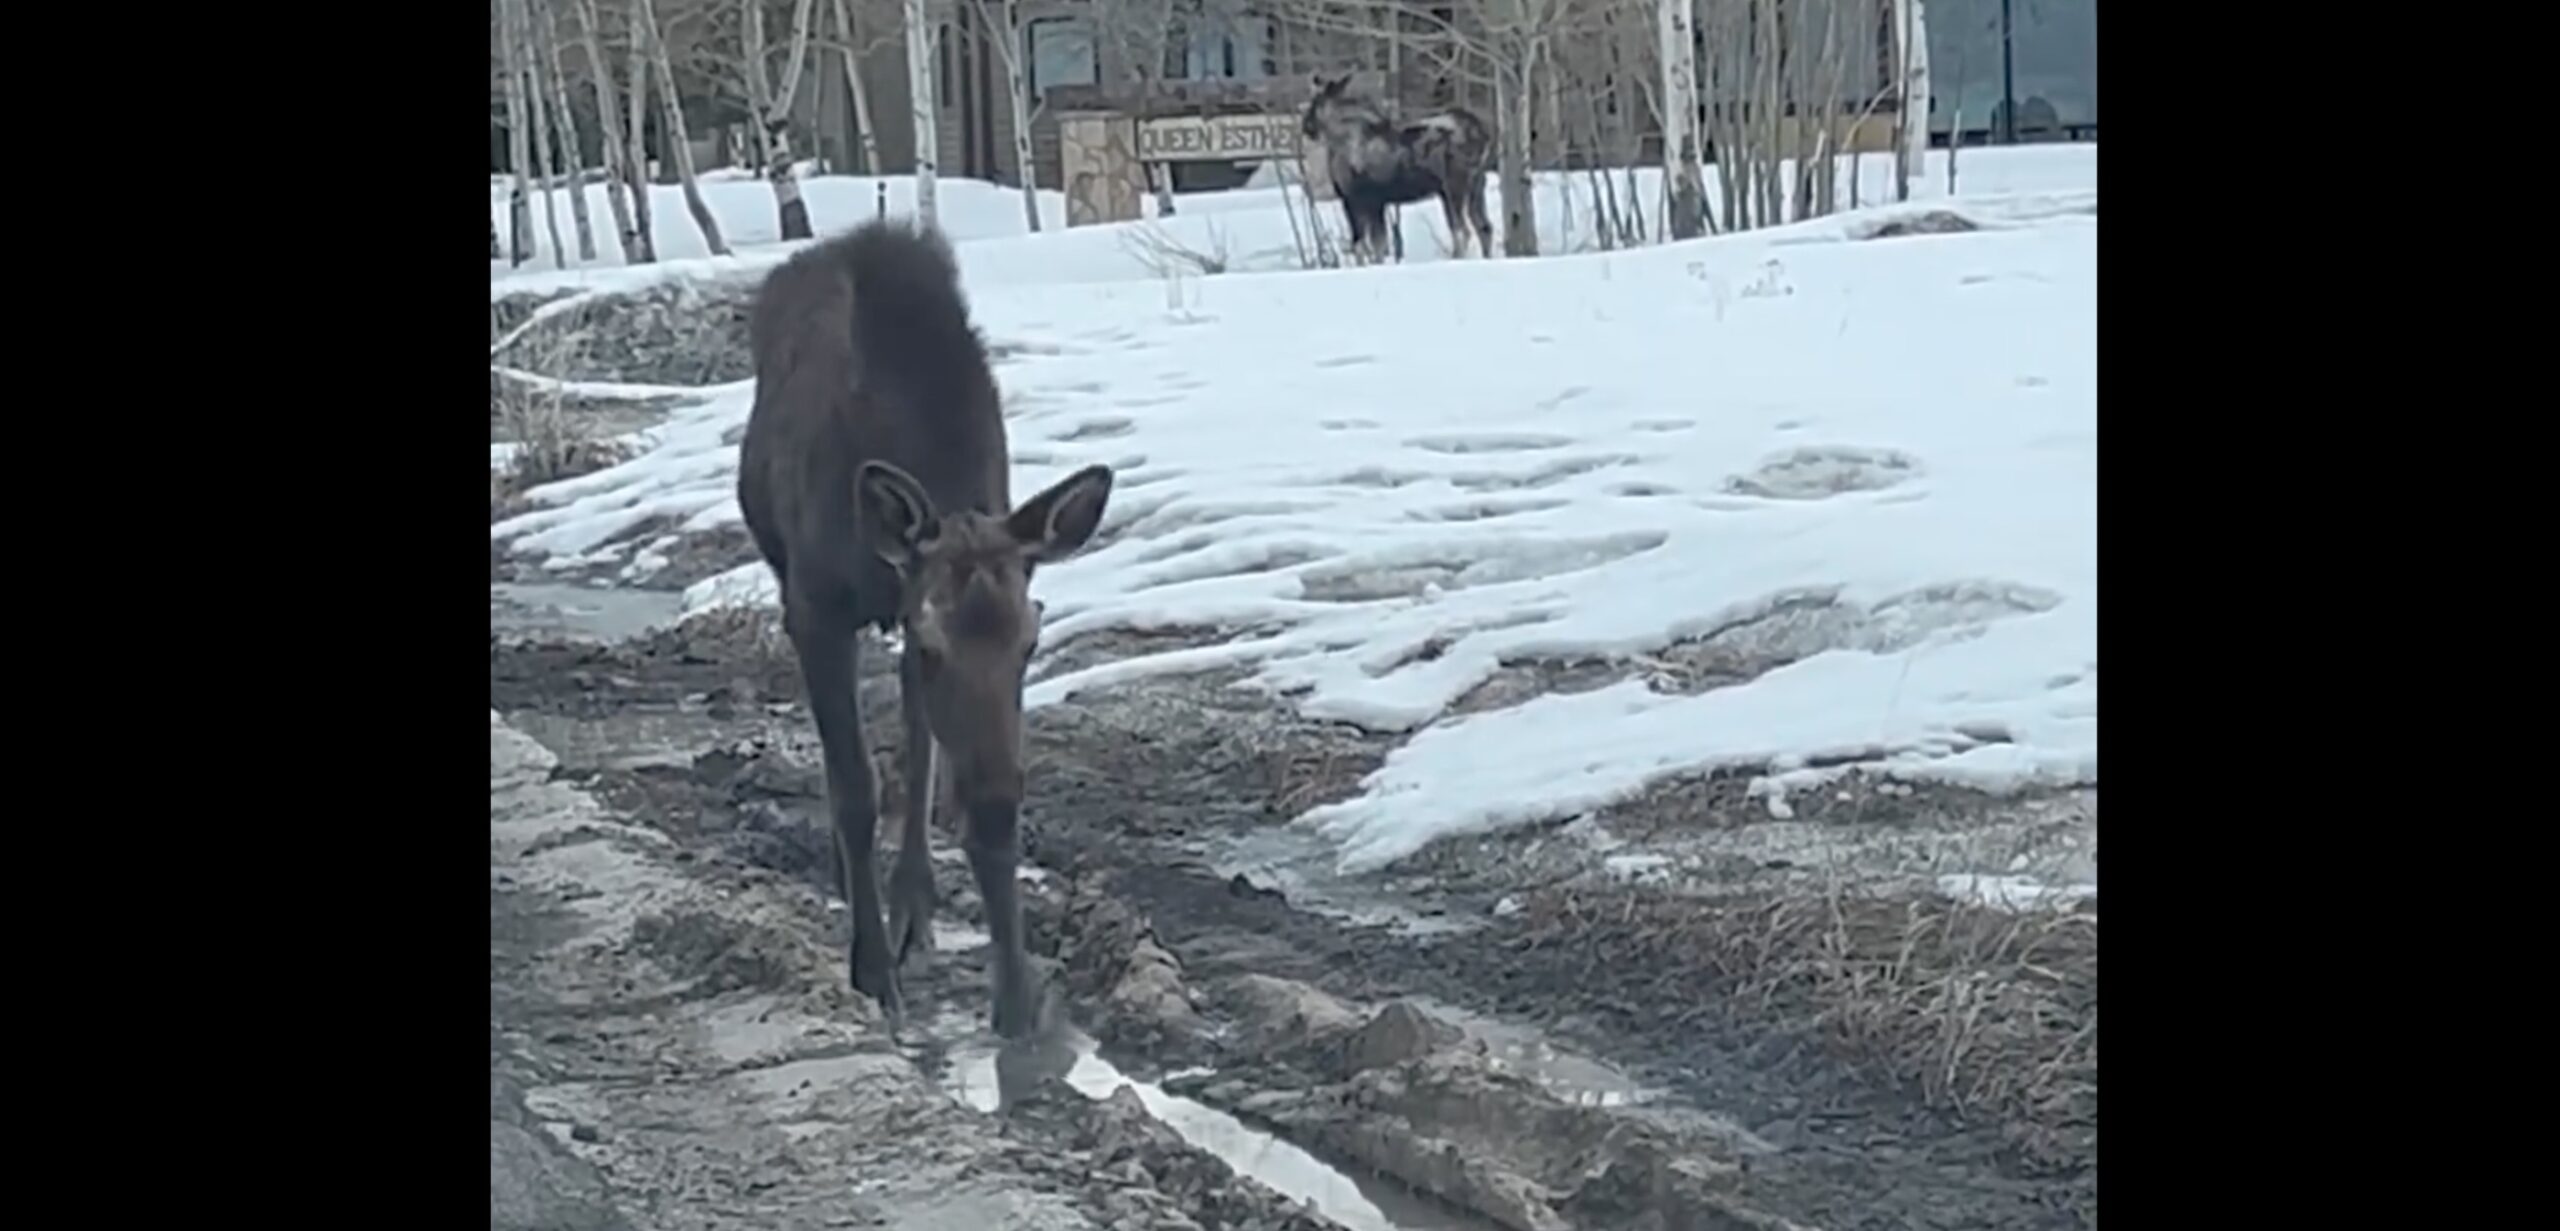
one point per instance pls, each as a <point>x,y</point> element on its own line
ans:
<point>669,1048</point>
<point>1129,790</point>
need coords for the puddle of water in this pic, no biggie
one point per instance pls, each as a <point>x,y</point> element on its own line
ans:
<point>1300,866</point>
<point>1361,1205</point>
<point>631,740</point>
<point>1585,1081</point>
<point>588,613</point>
<point>1564,1074</point>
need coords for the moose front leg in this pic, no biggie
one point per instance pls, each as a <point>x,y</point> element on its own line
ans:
<point>830,650</point>
<point>994,843</point>
<point>911,891</point>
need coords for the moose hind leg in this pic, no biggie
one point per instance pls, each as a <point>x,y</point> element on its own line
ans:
<point>911,892</point>
<point>1373,227</point>
<point>830,652</point>
<point>1353,248</point>
<point>1484,223</point>
<point>1454,210</point>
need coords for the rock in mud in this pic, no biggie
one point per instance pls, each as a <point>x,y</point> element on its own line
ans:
<point>1113,957</point>
<point>1283,1015</point>
<point>1416,1098</point>
<point>1400,1032</point>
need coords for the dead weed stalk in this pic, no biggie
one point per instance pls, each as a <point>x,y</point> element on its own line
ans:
<point>552,441</point>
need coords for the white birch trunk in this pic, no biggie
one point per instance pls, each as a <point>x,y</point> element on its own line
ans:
<point>1516,103</point>
<point>853,85</point>
<point>1773,177</point>
<point>1911,39</point>
<point>1673,20</point>
<point>921,110</point>
<point>617,187</point>
<point>773,114</point>
<point>564,123</point>
<point>1017,92</point>
<point>530,56</point>
<point>519,140</point>
<point>636,165</point>
<point>679,141</point>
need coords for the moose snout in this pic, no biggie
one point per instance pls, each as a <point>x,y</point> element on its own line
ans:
<point>986,771</point>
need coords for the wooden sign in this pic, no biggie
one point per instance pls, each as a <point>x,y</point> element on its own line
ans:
<point>1219,138</point>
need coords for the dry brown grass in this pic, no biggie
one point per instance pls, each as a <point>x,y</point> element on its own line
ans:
<point>753,633</point>
<point>552,441</point>
<point>1985,1013</point>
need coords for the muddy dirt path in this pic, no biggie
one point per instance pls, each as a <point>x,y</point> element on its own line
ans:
<point>1525,1055</point>
<point>666,1051</point>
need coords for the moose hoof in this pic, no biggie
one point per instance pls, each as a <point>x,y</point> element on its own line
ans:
<point>911,905</point>
<point>876,976</point>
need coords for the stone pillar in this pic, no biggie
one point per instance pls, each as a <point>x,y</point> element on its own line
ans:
<point>1098,164</point>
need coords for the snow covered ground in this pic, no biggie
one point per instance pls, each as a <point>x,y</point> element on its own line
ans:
<point>1248,231</point>
<point>1388,483</point>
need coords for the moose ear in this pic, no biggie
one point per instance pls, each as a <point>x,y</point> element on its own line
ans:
<point>1056,523</point>
<point>893,511</point>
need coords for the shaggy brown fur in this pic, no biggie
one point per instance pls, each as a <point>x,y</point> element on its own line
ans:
<point>873,478</point>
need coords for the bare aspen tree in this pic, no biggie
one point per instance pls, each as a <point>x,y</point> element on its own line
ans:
<point>1680,152</point>
<point>1830,71</point>
<point>679,142</point>
<point>538,118</point>
<point>537,122</point>
<point>772,106</point>
<point>921,109</point>
<point>1911,133</point>
<point>637,133</point>
<point>1517,41</point>
<point>1772,117</point>
<point>519,139</point>
<point>1798,66</point>
<point>617,185</point>
<point>853,83</point>
<point>553,70</point>
<point>1004,17</point>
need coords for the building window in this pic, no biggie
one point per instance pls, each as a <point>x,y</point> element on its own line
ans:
<point>1059,51</point>
<point>1222,47</point>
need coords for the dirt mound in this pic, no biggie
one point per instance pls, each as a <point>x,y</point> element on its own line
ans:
<point>516,307</point>
<point>1927,222</point>
<point>681,331</point>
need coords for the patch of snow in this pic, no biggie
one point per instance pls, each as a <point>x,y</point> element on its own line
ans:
<point>1388,483</point>
<point>1640,866</point>
<point>2013,893</point>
